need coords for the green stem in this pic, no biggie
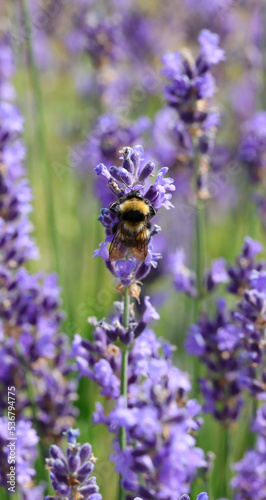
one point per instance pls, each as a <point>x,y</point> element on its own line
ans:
<point>124,385</point>
<point>200,228</point>
<point>199,250</point>
<point>253,413</point>
<point>41,135</point>
<point>226,464</point>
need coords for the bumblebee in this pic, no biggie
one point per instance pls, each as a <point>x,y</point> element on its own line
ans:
<point>132,232</point>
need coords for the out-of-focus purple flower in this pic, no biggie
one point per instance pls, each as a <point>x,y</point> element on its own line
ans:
<point>15,194</point>
<point>245,264</point>
<point>212,7</point>
<point>216,343</point>
<point>201,496</point>
<point>109,135</point>
<point>25,456</point>
<point>189,91</point>
<point>253,147</point>
<point>210,50</point>
<point>140,33</point>
<point>151,453</point>
<point>170,146</point>
<point>35,355</point>
<point>100,37</point>
<point>191,83</point>
<point>251,317</point>
<point>184,278</point>
<point>249,482</point>
<point>232,347</point>
<point>71,473</point>
<point>217,274</point>
<point>30,320</point>
<point>160,458</point>
<point>7,91</point>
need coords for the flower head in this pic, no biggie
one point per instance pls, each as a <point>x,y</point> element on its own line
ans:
<point>249,482</point>
<point>130,181</point>
<point>71,474</point>
<point>191,82</point>
<point>26,453</point>
<point>253,147</point>
<point>159,419</point>
<point>245,263</point>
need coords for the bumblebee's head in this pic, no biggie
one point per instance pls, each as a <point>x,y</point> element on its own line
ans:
<point>134,194</point>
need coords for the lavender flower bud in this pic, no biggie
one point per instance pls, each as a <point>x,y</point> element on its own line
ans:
<point>73,463</point>
<point>121,174</point>
<point>60,468</point>
<point>146,171</point>
<point>84,471</point>
<point>85,452</point>
<point>69,477</point>
<point>55,452</point>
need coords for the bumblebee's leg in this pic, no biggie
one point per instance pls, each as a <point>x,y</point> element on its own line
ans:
<point>113,207</point>
<point>152,211</point>
<point>114,228</point>
<point>148,226</point>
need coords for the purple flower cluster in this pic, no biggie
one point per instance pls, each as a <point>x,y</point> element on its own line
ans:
<point>239,273</point>
<point>107,37</point>
<point>184,278</point>
<point>216,343</point>
<point>249,482</point>
<point>190,91</point>
<point>253,147</point>
<point>6,70</point>
<point>15,194</point>
<point>191,83</point>
<point>71,474</point>
<point>35,356</point>
<point>159,420</point>
<point>132,175</point>
<point>159,430</point>
<point>106,139</point>
<point>98,36</point>
<point>25,455</point>
<point>101,359</point>
<point>232,346</point>
<point>201,496</point>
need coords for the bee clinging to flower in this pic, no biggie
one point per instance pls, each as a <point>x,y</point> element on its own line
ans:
<point>137,195</point>
<point>133,230</point>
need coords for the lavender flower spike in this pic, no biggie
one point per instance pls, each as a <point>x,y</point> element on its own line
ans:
<point>132,178</point>
<point>71,474</point>
<point>201,496</point>
<point>250,479</point>
<point>190,89</point>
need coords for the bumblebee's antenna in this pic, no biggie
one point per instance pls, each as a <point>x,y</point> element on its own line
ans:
<point>122,180</point>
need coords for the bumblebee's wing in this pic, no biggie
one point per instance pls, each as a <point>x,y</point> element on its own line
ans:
<point>140,248</point>
<point>117,249</point>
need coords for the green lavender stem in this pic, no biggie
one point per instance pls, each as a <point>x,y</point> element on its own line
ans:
<point>199,249</point>
<point>41,135</point>
<point>124,370</point>
<point>199,230</point>
<point>225,476</point>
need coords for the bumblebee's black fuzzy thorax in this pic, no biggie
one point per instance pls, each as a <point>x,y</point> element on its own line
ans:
<point>133,216</point>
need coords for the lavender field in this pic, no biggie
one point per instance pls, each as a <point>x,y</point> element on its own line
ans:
<point>132,250</point>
